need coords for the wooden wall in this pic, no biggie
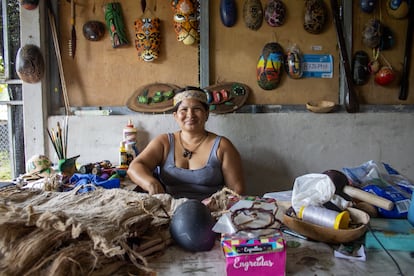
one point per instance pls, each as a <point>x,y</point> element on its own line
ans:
<point>371,92</point>
<point>100,75</point>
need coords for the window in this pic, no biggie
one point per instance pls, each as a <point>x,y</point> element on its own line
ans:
<point>11,104</point>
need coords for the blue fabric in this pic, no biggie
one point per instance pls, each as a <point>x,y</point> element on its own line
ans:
<point>91,181</point>
<point>195,184</point>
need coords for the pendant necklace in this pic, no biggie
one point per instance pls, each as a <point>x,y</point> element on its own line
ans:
<point>189,153</point>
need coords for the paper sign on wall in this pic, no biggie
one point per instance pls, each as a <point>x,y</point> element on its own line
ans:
<point>317,66</point>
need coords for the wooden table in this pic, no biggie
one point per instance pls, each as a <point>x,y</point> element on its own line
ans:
<point>309,258</point>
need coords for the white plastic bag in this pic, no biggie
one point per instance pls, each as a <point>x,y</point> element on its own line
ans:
<point>312,189</point>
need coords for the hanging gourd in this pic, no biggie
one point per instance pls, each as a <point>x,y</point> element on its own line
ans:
<point>253,14</point>
<point>367,6</point>
<point>228,12</point>
<point>30,66</point>
<point>270,66</point>
<point>371,35</point>
<point>293,62</point>
<point>275,13</point>
<point>93,30</point>
<point>398,9</point>
<point>360,70</point>
<point>315,16</point>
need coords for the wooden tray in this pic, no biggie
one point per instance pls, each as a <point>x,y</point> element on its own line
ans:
<point>234,102</point>
<point>330,235</point>
<point>149,91</point>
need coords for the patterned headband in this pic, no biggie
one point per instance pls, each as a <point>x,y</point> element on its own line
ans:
<point>190,94</point>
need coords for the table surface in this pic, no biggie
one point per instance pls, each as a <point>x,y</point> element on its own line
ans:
<point>309,258</point>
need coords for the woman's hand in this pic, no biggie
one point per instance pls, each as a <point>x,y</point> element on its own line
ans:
<point>155,188</point>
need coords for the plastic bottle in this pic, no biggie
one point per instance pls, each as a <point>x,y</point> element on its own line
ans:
<point>130,137</point>
<point>123,158</point>
<point>129,147</point>
<point>130,132</point>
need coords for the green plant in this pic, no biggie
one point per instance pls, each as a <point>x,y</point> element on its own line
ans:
<point>5,168</point>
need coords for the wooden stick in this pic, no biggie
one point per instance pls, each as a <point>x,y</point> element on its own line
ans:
<point>58,57</point>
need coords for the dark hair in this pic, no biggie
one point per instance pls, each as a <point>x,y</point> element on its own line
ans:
<point>206,106</point>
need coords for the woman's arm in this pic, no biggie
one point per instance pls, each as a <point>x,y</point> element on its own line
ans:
<point>141,169</point>
<point>231,166</point>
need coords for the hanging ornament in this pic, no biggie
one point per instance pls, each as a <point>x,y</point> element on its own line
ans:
<point>29,4</point>
<point>293,62</point>
<point>315,16</point>
<point>185,21</point>
<point>275,13</point>
<point>367,6</point>
<point>147,34</point>
<point>148,38</point>
<point>115,23</point>
<point>360,70</point>
<point>397,9</point>
<point>374,65</point>
<point>93,30</point>
<point>385,76</point>
<point>253,14</point>
<point>30,66</point>
<point>371,35</point>
<point>228,12</point>
<point>270,66</point>
<point>387,38</point>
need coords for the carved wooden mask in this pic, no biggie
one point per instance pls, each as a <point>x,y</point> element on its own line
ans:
<point>147,38</point>
<point>185,21</point>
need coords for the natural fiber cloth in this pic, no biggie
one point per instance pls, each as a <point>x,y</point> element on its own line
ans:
<point>65,233</point>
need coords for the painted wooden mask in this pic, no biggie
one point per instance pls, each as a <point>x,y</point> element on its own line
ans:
<point>147,38</point>
<point>185,21</point>
<point>115,22</point>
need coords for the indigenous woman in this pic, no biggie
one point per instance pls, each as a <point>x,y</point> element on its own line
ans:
<point>192,162</point>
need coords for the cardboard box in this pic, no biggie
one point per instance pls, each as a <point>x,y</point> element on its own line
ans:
<point>258,257</point>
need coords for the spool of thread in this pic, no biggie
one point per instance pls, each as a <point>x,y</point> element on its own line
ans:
<point>324,217</point>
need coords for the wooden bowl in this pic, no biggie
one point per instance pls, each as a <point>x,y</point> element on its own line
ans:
<point>330,235</point>
<point>321,106</point>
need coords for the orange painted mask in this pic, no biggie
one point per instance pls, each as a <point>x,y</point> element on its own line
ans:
<point>147,38</point>
<point>185,21</point>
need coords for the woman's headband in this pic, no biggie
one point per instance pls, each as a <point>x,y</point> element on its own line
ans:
<point>190,94</point>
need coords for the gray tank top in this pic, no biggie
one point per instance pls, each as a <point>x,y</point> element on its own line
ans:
<point>196,184</point>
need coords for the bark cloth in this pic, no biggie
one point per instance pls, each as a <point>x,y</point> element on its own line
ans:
<point>102,232</point>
